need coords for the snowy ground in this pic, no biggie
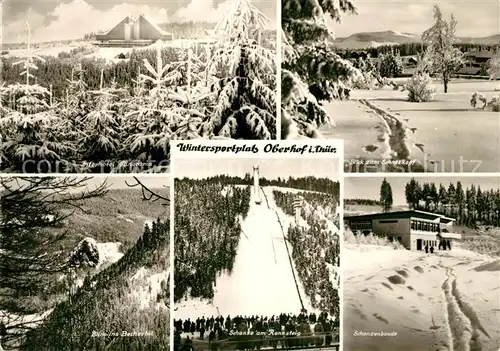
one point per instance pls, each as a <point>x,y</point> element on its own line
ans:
<point>147,286</point>
<point>262,282</point>
<point>446,129</point>
<point>109,253</point>
<point>446,301</point>
<point>107,53</point>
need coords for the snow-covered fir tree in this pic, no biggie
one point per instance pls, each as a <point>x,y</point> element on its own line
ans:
<point>445,58</point>
<point>391,65</point>
<point>191,96</point>
<point>31,129</point>
<point>152,122</point>
<point>494,65</point>
<point>311,71</point>
<point>100,136</point>
<point>243,82</point>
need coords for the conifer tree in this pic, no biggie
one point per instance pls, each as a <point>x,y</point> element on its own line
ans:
<point>391,65</point>
<point>386,196</point>
<point>152,121</point>
<point>311,71</point>
<point>32,129</point>
<point>100,139</point>
<point>445,58</point>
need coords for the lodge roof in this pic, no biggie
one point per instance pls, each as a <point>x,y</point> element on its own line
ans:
<point>132,19</point>
<point>402,214</point>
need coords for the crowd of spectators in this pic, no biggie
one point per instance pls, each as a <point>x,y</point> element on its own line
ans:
<point>254,332</point>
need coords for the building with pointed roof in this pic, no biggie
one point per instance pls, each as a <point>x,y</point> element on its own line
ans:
<point>134,30</point>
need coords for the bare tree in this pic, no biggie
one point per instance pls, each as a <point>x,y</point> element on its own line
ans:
<point>148,194</point>
<point>444,57</point>
<point>32,216</point>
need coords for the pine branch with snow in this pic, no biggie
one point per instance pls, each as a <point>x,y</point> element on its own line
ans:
<point>307,53</point>
<point>243,81</point>
<point>494,65</point>
<point>445,58</point>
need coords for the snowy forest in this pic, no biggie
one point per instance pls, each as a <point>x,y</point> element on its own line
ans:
<point>120,117</point>
<point>470,206</point>
<point>59,287</point>
<point>311,72</point>
<point>316,250</point>
<point>206,221</point>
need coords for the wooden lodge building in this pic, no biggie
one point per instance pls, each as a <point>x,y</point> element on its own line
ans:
<point>413,229</point>
<point>133,31</point>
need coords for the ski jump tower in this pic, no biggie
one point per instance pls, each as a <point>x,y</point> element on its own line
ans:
<point>256,186</point>
<point>297,206</point>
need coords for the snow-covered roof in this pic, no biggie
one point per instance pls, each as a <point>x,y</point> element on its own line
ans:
<point>133,19</point>
<point>109,30</point>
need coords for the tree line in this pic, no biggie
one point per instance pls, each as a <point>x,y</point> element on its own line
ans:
<point>366,202</point>
<point>405,49</point>
<point>310,183</point>
<point>469,205</point>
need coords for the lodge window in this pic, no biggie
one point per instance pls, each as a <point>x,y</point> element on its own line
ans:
<point>361,225</point>
<point>389,221</point>
<point>424,226</point>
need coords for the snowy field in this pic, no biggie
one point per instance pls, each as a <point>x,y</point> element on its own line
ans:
<point>441,133</point>
<point>147,285</point>
<point>262,282</point>
<point>107,53</point>
<point>446,301</point>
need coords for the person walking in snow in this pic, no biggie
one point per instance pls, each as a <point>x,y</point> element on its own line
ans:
<point>432,249</point>
<point>426,249</point>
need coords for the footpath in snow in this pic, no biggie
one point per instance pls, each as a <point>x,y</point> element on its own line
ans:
<point>445,301</point>
<point>262,281</point>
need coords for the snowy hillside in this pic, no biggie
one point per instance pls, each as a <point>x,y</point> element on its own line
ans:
<point>443,301</point>
<point>131,295</point>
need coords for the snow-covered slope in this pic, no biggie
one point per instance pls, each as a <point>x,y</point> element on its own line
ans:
<point>262,281</point>
<point>108,253</point>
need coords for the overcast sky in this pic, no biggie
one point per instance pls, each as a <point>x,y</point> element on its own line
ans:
<point>71,19</point>
<point>369,188</point>
<point>476,18</point>
<point>268,168</point>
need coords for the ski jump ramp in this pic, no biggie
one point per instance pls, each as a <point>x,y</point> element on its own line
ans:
<point>262,282</point>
